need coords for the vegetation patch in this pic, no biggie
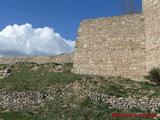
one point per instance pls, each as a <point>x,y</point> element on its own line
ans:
<point>68,92</point>
<point>154,75</point>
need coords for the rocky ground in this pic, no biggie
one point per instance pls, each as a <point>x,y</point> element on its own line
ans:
<point>51,91</point>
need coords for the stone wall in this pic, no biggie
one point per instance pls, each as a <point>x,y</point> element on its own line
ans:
<point>39,59</point>
<point>143,104</point>
<point>151,11</point>
<point>113,46</point>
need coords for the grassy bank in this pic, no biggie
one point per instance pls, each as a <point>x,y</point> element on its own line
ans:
<point>71,103</point>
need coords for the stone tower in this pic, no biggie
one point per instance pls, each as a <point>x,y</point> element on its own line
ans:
<point>151,11</point>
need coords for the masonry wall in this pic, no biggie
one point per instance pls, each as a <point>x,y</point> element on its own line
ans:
<point>112,46</point>
<point>151,11</point>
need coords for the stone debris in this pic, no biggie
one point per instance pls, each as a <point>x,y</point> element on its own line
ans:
<point>130,103</point>
<point>57,68</point>
<point>21,100</point>
<point>49,67</point>
<point>5,72</point>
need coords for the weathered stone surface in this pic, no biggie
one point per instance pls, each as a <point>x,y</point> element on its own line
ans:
<point>112,46</point>
<point>152,31</point>
<point>143,104</point>
<point>126,46</point>
<point>5,72</point>
<point>20,100</point>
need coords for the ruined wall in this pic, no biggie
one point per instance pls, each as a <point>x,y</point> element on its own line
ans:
<point>39,59</point>
<point>151,11</point>
<point>112,46</point>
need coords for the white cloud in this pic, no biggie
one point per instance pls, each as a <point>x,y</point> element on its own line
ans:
<point>26,40</point>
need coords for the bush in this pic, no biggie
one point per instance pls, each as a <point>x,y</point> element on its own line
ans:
<point>154,75</point>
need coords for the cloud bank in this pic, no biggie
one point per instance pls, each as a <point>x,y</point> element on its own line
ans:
<point>22,40</point>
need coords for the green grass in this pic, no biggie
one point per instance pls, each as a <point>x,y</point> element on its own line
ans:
<point>27,79</point>
<point>121,87</point>
<point>70,105</point>
<point>18,116</point>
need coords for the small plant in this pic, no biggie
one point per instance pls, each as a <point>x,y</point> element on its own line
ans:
<point>154,75</point>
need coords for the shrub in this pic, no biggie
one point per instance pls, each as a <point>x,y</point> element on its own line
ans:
<point>154,75</point>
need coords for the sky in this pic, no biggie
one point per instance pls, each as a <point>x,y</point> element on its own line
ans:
<point>21,21</point>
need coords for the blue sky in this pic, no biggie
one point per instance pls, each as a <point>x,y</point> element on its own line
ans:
<point>49,27</point>
<point>63,15</point>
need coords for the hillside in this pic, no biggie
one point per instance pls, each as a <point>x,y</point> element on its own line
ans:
<point>62,58</point>
<point>51,91</point>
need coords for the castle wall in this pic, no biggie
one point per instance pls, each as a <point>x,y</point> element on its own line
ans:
<point>112,46</point>
<point>151,11</point>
